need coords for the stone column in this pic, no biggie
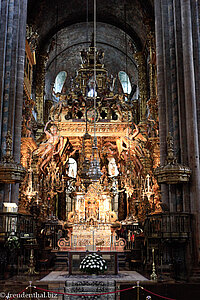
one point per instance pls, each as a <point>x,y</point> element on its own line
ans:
<point>40,86</point>
<point>173,78</point>
<point>7,15</point>
<point>19,92</point>
<point>7,74</point>
<point>12,53</point>
<point>181,96</point>
<point>3,37</point>
<point>13,77</point>
<point>20,79</point>
<point>195,14</point>
<point>191,114</point>
<point>161,91</point>
<point>160,79</point>
<point>177,191</point>
<point>142,82</point>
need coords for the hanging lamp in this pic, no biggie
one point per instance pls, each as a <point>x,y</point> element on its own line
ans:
<point>94,172</point>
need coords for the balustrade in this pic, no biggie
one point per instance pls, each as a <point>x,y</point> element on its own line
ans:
<point>171,225</point>
<point>19,224</point>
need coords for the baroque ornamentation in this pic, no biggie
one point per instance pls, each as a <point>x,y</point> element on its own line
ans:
<point>127,149</point>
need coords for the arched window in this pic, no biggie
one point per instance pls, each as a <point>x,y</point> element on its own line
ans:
<point>125,82</point>
<point>59,82</point>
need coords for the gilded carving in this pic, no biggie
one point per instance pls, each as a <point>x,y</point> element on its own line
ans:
<point>127,145</point>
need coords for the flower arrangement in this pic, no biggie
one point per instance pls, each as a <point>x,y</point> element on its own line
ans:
<point>12,242</point>
<point>93,264</point>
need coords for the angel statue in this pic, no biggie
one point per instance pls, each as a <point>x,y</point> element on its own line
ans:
<point>51,147</point>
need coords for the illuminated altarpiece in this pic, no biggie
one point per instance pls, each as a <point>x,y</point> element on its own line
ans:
<point>94,165</point>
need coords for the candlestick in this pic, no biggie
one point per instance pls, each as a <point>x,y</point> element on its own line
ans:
<point>153,275</point>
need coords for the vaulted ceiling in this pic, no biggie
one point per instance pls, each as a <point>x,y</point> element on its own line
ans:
<point>48,17</point>
<point>70,23</point>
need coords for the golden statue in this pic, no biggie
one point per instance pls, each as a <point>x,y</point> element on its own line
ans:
<point>51,147</point>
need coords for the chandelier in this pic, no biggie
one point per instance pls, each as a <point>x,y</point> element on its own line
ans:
<point>85,162</point>
<point>94,172</point>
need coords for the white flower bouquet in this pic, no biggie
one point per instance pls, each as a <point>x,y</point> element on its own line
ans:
<point>93,264</point>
